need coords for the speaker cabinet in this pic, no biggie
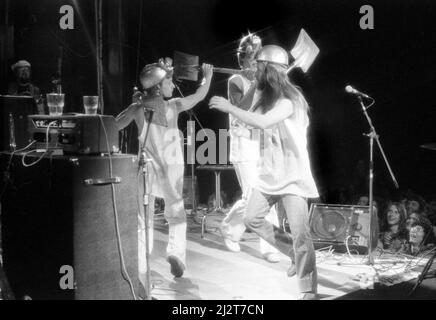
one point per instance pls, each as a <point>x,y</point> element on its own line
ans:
<point>51,218</point>
<point>338,225</point>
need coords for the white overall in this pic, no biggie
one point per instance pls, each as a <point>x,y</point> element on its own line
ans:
<point>165,169</point>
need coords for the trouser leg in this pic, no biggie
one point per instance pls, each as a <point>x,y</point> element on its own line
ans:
<point>258,207</point>
<point>272,218</point>
<point>305,259</point>
<point>176,217</point>
<point>233,226</point>
<point>142,261</point>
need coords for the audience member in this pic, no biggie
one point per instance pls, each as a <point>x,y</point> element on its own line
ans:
<point>22,84</point>
<point>420,238</point>
<point>394,234</point>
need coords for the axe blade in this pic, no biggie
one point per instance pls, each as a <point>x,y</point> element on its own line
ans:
<point>304,52</point>
<point>185,66</point>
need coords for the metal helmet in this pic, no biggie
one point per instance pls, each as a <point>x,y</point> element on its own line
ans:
<point>273,54</point>
<point>248,47</point>
<point>154,73</point>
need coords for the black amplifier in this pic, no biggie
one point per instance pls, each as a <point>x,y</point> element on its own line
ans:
<point>76,133</point>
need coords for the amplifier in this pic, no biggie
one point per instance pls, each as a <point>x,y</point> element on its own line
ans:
<point>75,134</point>
<point>342,226</point>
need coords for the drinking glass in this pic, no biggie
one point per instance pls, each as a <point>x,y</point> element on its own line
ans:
<point>55,103</point>
<point>90,104</point>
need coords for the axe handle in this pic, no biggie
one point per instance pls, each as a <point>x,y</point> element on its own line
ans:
<point>228,71</point>
<point>219,70</point>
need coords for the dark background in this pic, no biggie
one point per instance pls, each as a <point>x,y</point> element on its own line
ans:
<point>394,63</point>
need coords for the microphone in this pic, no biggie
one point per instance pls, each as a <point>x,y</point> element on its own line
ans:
<point>351,90</point>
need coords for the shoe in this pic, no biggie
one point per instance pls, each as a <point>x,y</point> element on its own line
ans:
<point>292,271</point>
<point>307,296</point>
<point>272,257</point>
<point>177,266</point>
<point>231,245</point>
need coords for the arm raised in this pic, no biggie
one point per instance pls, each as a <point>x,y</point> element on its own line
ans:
<point>190,101</point>
<point>282,110</point>
<point>127,116</point>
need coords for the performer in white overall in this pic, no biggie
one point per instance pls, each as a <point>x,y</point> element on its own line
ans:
<point>165,164</point>
<point>284,173</point>
<point>244,151</point>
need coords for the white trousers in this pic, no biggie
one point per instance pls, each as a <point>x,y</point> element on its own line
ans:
<point>176,217</point>
<point>233,226</point>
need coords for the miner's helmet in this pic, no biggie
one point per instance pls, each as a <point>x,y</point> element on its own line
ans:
<point>153,74</point>
<point>273,54</point>
<point>249,45</point>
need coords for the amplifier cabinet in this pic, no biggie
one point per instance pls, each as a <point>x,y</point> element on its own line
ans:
<point>333,224</point>
<point>77,134</point>
<point>51,218</point>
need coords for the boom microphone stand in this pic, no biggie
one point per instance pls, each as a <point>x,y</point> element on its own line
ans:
<point>373,135</point>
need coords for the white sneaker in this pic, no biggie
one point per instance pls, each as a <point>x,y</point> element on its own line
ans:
<point>231,245</point>
<point>272,257</point>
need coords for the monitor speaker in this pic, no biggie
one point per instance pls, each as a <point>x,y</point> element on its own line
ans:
<point>341,226</point>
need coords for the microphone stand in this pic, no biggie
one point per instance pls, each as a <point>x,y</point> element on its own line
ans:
<point>192,167</point>
<point>192,164</point>
<point>142,163</point>
<point>373,135</point>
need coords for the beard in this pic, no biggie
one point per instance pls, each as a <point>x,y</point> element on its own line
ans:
<point>24,79</point>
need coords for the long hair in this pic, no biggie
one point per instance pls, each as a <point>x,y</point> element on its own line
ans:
<point>275,84</point>
<point>403,217</point>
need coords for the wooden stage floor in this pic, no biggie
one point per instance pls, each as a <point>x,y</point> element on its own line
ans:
<point>214,273</point>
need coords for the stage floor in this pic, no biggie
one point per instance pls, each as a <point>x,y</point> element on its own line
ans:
<point>214,273</point>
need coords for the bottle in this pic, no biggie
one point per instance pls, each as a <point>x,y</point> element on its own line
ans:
<point>12,143</point>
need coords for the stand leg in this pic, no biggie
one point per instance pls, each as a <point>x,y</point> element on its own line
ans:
<point>147,237</point>
<point>371,197</point>
<point>217,208</point>
<point>217,191</point>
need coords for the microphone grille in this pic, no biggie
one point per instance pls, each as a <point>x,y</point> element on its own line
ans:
<point>349,89</point>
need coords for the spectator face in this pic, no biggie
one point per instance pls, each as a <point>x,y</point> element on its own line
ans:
<point>412,219</point>
<point>393,215</point>
<point>416,235</point>
<point>363,201</point>
<point>412,207</point>
<point>23,74</point>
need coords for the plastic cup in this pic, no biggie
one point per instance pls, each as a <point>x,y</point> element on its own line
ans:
<point>55,103</point>
<point>90,104</point>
